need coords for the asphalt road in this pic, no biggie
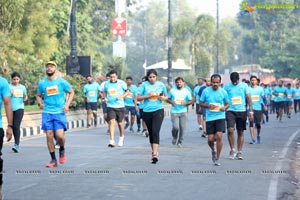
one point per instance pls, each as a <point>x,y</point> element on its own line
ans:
<point>270,170</point>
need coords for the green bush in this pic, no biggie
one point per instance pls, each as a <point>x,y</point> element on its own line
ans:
<point>77,83</point>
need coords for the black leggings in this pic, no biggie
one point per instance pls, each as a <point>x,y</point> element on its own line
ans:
<point>18,116</point>
<point>154,121</point>
<point>296,105</point>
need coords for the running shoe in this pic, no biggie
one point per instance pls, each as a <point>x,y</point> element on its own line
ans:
<point>146,133</point>
<point>62,157</point>
<point>217,163</point>
<point>239,156</point>
<point>16,148</point>
<point>131,130</point>
<point>154,158</point>
<point>139,130</point>
<point>95,122</point>
<point>252,141</point>
<point>126,125</point>
<point>121,142</point>
<point>232,154</point>
<point>88,126</point>
<point>174,141</point>
<point>179,145</point>
<point>111,143</point>
<point>52,163</point>
<point>213,156</point>
<point>258,139</point>
<point>204,135</point>
<point>200,128</point>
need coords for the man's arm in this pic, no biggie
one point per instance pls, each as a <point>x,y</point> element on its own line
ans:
<point>9,116</point>
<point>69,100</point>
<point>39,101</point>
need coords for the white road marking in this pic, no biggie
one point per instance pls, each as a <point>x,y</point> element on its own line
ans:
<point>272,194</point>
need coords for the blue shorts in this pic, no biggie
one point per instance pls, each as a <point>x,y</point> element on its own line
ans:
<point>104,107</point>
<point>91,106</point>
<point>130,109</point>
<point>54,121</point>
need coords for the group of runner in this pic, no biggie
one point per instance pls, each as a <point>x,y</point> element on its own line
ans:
<point>124,104</point>
<point>234,105</point>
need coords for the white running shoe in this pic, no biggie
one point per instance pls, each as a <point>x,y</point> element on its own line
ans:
<point>232,155</point>
<point>111,143</point>
<point>121,141</point>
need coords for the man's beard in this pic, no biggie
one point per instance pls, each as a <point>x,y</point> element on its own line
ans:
<point>50,73</point>
<point>179,87</point>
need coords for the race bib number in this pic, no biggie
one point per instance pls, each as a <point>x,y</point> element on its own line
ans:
<point>130,95</point>
<point>281,94</point>
<point>297,94</point>
<point>92,94</point>
<point>52,90</point>
<point>18,93</point>
<point>216,108</point>
<point>236,100</point>
<point>112,92</point>
<point>178,101</point>
<point>289,96</point>
<point>255,98</point>
<point>154,97</point>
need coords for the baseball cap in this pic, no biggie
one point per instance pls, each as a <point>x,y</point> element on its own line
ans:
<point>51,63</point>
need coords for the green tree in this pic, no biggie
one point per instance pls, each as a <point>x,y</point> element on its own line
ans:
<point>275,35</point>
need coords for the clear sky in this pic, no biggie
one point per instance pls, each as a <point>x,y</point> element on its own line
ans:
<point>227,8</point>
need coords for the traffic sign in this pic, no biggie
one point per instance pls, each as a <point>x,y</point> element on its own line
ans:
<point>119,26</point>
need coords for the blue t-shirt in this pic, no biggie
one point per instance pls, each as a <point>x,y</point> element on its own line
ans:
<point>200,91</point>
<point>114,90</point>
<point>272,95</point>
<point>17,97</point>
<point>179,96</point>
<point>281,93</point>
<point>195,93</point>
<point>289,94</point>
<point>129,99</point>
<point>257,95</point>
<point>153,103</point>
<point>4,92</point>
<point>54,92</point>
<point>91,91</point>
<point>217,97</point>
<point>237,96</point>
<point>188,88</point>
<point>140,103</point>
<point>296,93</point>
<point>268,93</point>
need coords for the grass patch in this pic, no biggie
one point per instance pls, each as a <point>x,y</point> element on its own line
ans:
<point>30,108</point>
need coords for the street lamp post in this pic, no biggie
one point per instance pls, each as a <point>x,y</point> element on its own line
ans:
<point>218,37</point>
<point>169,43</point>
<point>73,59</point>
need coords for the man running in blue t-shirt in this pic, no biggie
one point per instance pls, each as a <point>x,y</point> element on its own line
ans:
<point>236,115</point>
